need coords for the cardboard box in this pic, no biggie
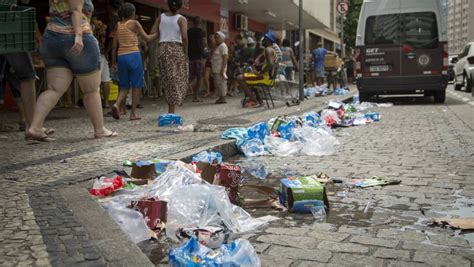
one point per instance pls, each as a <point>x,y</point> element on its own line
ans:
<point>207,170</point>
<point>332,62</point>
<point>300,194</point>
<point>154,211</point>
<point>144,171</point>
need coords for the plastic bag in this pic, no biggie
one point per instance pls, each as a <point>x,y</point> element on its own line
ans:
<point>312,119</point>
<point>280,147</point>
<point>253,148</point>
<point>239,134</point>
<point>330,117</point>
<point>259,130</point>
<point>238,253</point>
<point>205,205</point>
<point>129,220</point>
<point>256,168</point>
<point>340,91</point>
<point>105,186</point>
<point>170,119</point>
<point>316,141</point>
<point>209,157</point>
<point>286,130</point>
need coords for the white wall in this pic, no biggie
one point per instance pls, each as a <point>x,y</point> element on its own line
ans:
<point>320,9</point>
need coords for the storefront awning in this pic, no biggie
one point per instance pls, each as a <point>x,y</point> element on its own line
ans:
<point>277,14</point>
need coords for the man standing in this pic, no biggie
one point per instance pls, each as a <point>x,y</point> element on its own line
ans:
<point>318,56</point>
<point>195,55</point>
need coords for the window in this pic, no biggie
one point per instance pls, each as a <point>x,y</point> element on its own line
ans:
<point>417,29</point>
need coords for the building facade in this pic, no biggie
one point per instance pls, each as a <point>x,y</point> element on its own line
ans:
<point>460,24</point>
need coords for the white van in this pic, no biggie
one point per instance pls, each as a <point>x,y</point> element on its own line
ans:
<point>401,48</point>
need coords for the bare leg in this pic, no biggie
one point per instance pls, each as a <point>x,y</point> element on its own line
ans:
<point>59,80</point>
<point>90,87</point>
<point>106,86</point>
<point>207,76</point>
<point>135,98</point>
<point>28,100</point>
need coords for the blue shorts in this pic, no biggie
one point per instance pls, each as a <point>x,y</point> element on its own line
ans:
<point>56,52</point>
<point>130,71</point>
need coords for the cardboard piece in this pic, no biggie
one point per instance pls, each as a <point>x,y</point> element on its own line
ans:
<point>147,171</point>
<point>154,211</point>
<point>229,176</point>
<point>332,61</point>
<point>463,224</point>
<point>207,170</point>
<point>300,194</point>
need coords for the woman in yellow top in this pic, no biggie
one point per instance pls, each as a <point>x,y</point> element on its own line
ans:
<point>69,49</point>
<point>126,56</point>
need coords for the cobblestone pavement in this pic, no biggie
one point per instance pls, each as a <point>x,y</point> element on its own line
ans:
<point>429,147</point>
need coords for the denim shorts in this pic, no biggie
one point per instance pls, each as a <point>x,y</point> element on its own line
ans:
<point>21,64</point>
<point>56,52</point>
<point>130,71</point>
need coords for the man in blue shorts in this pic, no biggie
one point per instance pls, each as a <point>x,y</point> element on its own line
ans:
<point>318,56</point>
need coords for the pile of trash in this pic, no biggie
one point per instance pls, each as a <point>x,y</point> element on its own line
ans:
<point>323,90</point>
<point>309,134</point>
<point>194,205</point>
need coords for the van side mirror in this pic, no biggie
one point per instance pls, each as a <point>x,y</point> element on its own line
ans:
<point>454,60</point>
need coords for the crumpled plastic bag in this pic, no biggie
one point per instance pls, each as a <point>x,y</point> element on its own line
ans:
<point>330,117</point>
<point>170,119</point>
<point>253,148</point>
<point>280,147</point>
<point>238,253</point>
<point>239,134</point>
<point>205,205</point>
<point>130,221</point>
<point>316,141</point>
<point>259,130</point>
<point>105,186</point>
<point>312,119</point>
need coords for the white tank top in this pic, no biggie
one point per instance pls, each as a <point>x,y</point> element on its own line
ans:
<point>169,29</point>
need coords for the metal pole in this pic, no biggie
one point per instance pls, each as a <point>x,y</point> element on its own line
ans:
<point>301,51</point>
<point>343,52</point>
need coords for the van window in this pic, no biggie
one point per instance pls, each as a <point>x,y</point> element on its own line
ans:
<point>419,30</point>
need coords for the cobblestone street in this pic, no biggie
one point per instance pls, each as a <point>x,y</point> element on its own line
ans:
<point>429,147</point>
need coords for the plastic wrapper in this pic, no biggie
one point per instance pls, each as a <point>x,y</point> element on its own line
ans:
<point>209,157</point>
<point>256,168</point>
<point>129,220</point>
<point>286,130</point>
<point>280,147</point>
<point>192,253</point>
<point>204,205</point>
<point>340,91</point>
<point>211,237</point>
<point>312,119</point>
<point>105,186</point>
<point>170,119</point>
<point>316,141</point>
<point>253,148</point>
<point>259,131</point>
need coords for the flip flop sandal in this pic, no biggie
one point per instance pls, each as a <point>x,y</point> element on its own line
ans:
<point>49,131</point>
<point>115,113</point>
<point>112,134</point>
<point>40,139</point>
<point>135,118</point>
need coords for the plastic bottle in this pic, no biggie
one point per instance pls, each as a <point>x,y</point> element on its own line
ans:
<point>259,130</point>
<point>253,148</point>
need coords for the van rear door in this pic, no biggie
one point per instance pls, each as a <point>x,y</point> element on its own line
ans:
<point>422,52</point>
<point>381,54</point>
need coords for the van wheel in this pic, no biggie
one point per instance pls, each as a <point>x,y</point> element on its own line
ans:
<point>457,87</point>
<point>440,96</point>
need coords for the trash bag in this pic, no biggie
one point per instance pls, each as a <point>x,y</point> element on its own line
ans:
<point>105,186</point>
<point>239,134</point>
<point>280,147</point>
<point>286,130</point>
<point>238,253</point>
<point>170,119</point>
<point>259,131</point>
<point>316,141</point>
<point>340,91</point>
<point>129,220</point>
<point>253,148</point>
<point>205,205</point>
<point>209,157</point>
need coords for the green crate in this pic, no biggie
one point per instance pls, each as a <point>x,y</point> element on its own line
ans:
<point>17,28</point>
